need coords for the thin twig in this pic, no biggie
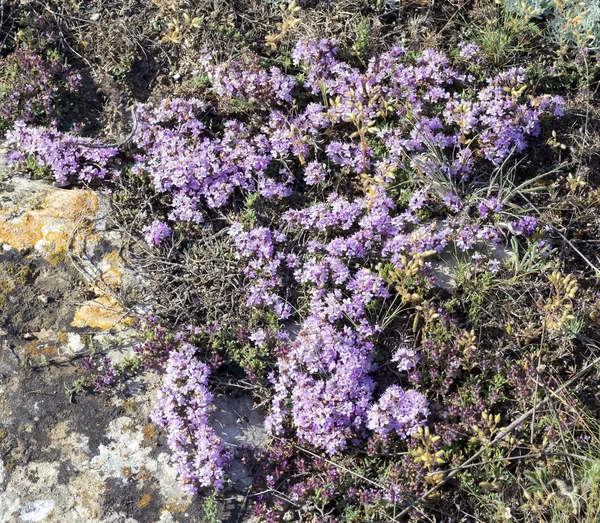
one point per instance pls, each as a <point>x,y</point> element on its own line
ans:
<point>536,387</point>
<point>585,259</point>
<point>356,474</point>
<point>512,458</point>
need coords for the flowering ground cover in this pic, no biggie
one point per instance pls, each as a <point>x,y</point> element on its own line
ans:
<point>299,205</point>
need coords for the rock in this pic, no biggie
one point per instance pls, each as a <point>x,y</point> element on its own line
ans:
<point>75,343</point>
<point>104,313</point>
<point>70,227</point>
<point>37,510</point>
<point>238,423</point>
<point>65,288</point>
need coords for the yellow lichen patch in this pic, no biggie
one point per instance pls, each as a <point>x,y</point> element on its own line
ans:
<point>113,259</point>
<point>112,277</point>
<point>144,500</point>
<point>21,233</point>
<point>126,472</point>
<point>60,221</point>
<point>112,272</point>
<point>174,506</point>
<point>103,312</point>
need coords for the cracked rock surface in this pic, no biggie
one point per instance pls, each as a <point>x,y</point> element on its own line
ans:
<point>64,288</point>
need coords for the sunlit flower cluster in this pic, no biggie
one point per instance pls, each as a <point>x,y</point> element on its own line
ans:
<point>325,153</point>
<point>31,87</point>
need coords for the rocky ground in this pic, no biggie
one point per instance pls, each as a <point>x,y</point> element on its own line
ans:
<point>66,289</point>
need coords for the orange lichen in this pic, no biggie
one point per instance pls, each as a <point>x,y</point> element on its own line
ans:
<point>61,221</point>
<point>144,500</point>
<point>149,432</point>
<point>35,350</point>
<point>144,474</point>
<point>103,312</point>
<point>126,472</point>
<point>113,259</point>
<point>112,277</point>
<point>174,506</point>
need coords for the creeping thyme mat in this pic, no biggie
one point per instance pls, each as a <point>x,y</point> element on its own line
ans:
<point>342,191</point>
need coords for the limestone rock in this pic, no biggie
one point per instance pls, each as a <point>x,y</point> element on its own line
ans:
<point>66,289</point>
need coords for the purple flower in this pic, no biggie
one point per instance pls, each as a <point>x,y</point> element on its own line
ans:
<point>470,51</point>
<point>544,248</point>
<point>259,337</point>
<point>525,226</point>
<point>246,79</point>
<point>64,155</point>
<point>404,358</point>
<point>453,202</point>
<point>314,173</point>
<point>32,87</point>
<point>183,408</point>
<point>488,207</point>
<point>156,233</point>
<point>494,265</point>
<point>399,411</point>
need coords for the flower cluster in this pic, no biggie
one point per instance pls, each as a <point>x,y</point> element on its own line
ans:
<point>197,169</point>
<point>183,408</point>
<point>326,370</point>
<point>65,156</point>
<point>343,249</point>
<point>156,233</point>
<point>247,80</point>
<point>397,410</point>
<point>259,244</point>
<point>30,87</point>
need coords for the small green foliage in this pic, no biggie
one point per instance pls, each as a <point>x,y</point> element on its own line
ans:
<point>120,72</point>
<point>34,169</point>
<point>363,37</point>
<point>129,366</point>
<point>78,387</point>
<point>503,34</point>
<point>250,216</point>
<point>210,508</point>
<point>574,327</point>
<point>200,81</point>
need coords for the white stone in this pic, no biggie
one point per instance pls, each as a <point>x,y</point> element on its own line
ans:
<point>37,510</point>
<point>75,342</point>
<point>125,451</point>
